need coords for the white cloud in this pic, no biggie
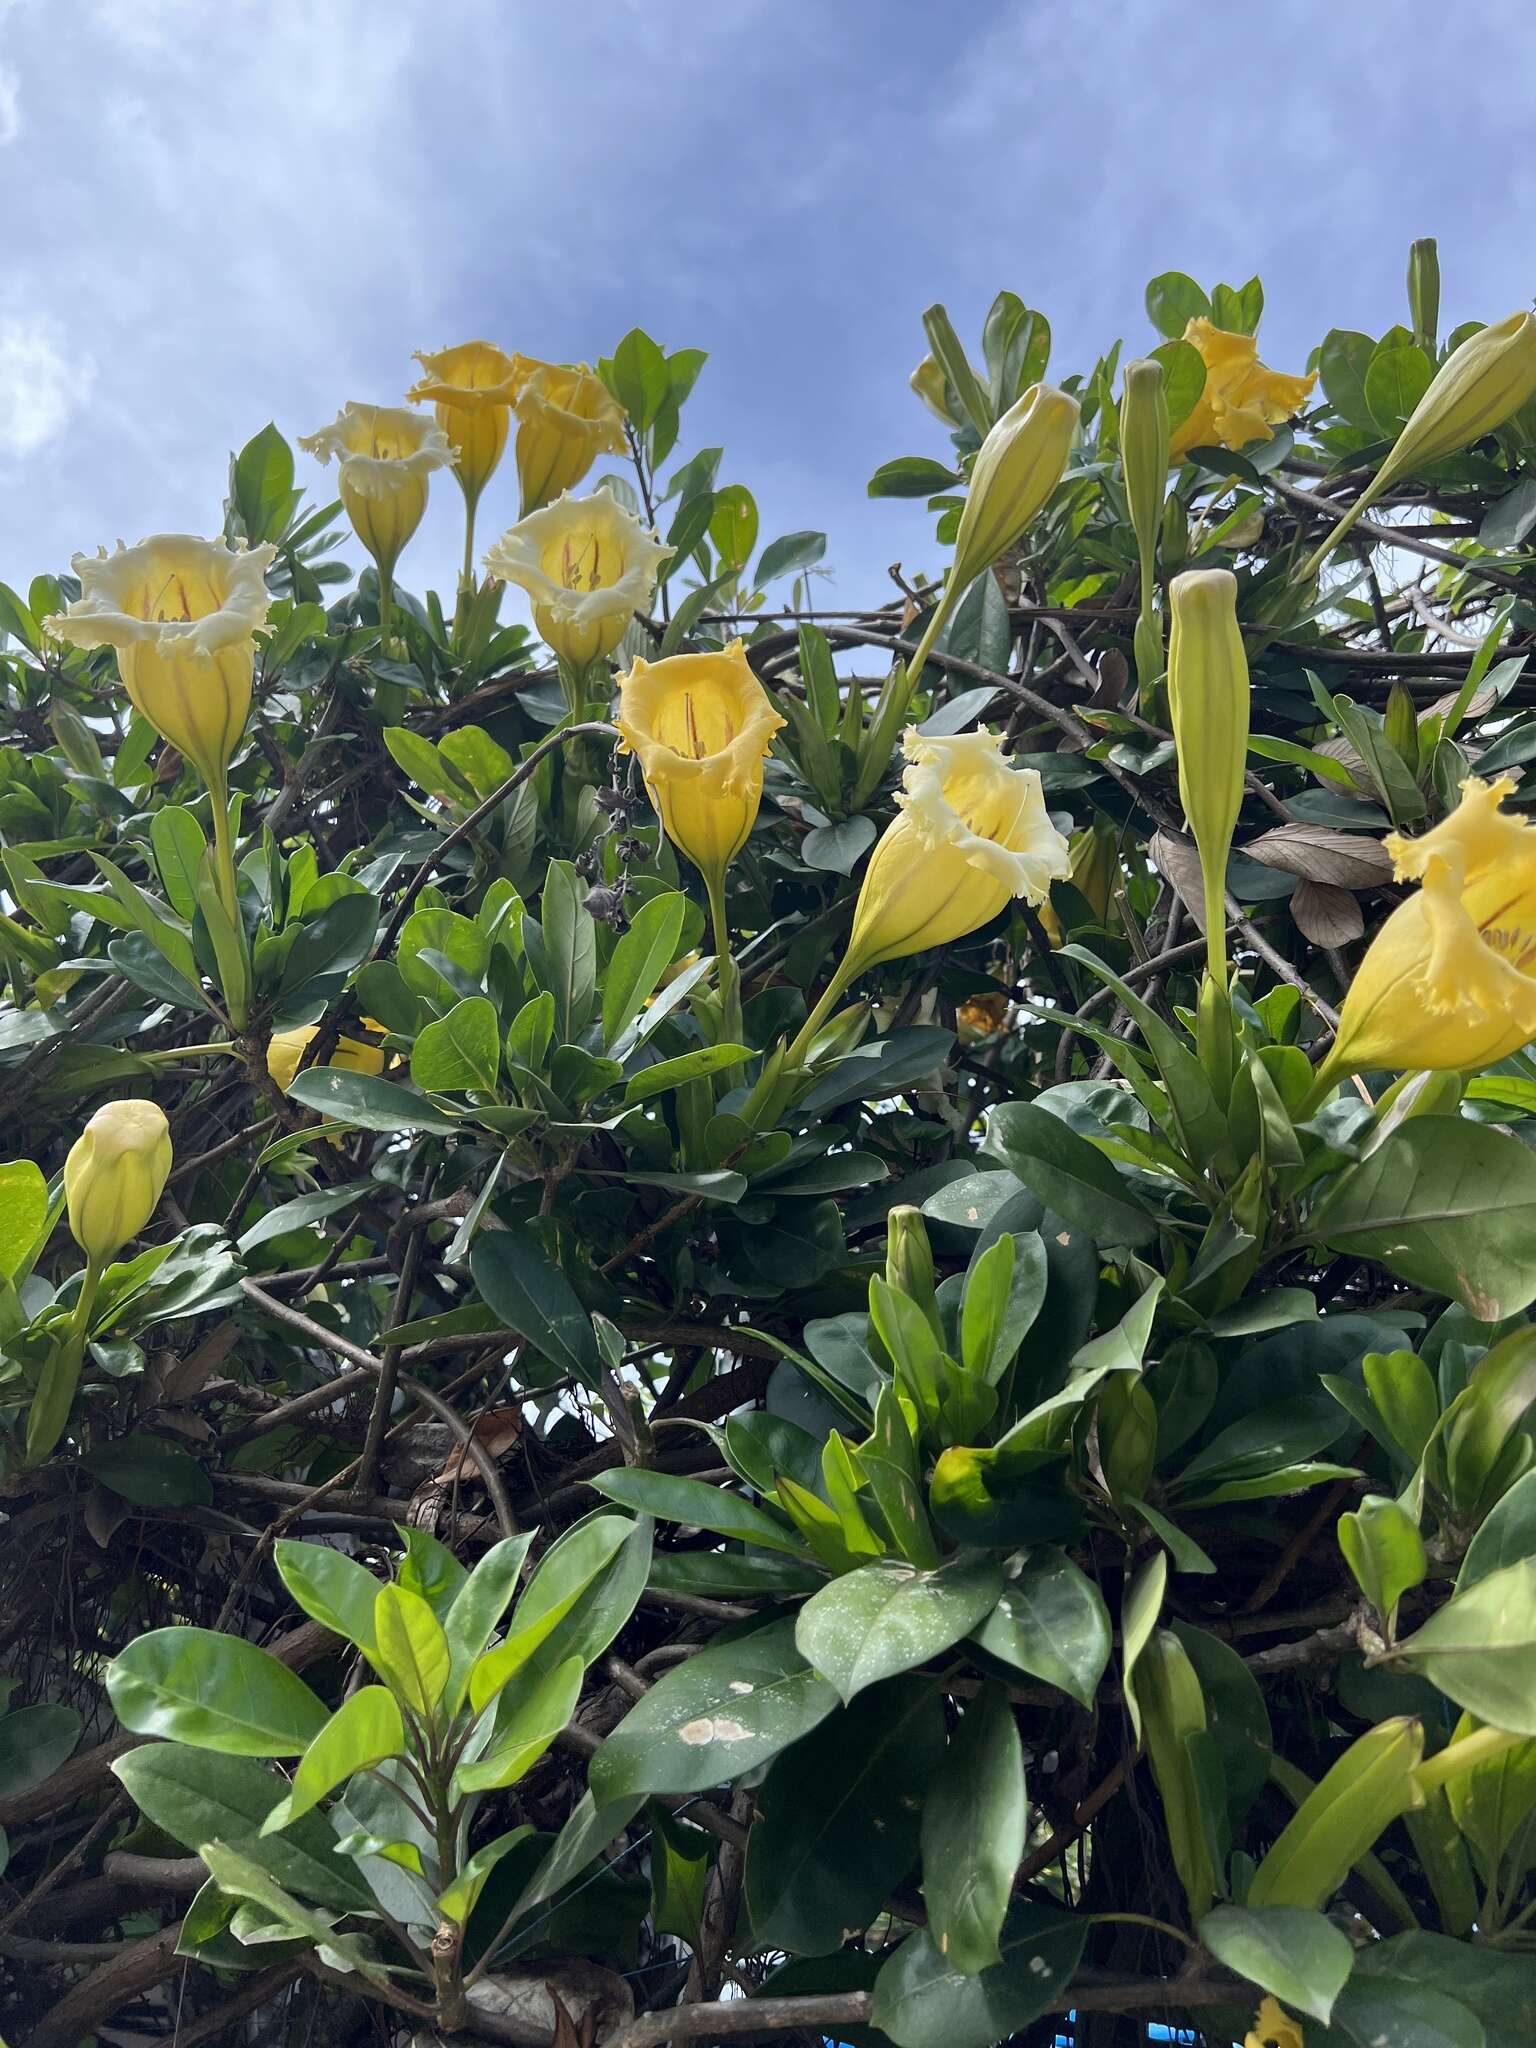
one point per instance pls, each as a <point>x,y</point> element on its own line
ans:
<point>43,381</point>
<point>10,105</point>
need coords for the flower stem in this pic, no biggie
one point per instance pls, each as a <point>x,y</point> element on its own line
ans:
<point>891,706</point>
<point>818,1016</point>
<point>727,974</point>
<point>224,853</point>
<point>386,607</point>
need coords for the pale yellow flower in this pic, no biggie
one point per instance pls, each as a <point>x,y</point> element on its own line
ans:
<point>1273,2027</point>
<point>1243,401</point>
<point>182,614</point>
<point>1018,466</point>
<point>1449,982</point>
<point>471,388</point>
<point>587,565</point>
<point>286,1049</point>
<point>700,726</point>
<point>115,1174</point>
<point>384,455</point>
<point>973,834</point>
<point>566,418</point>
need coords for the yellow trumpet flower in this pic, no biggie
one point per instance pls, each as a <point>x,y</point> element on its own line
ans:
<point>182,614</point>
<point>384,455</point>
<point>700,726</point>
<point>587,565</point>
<point>1449,982</point>
<point>286,1049</point>
<point>973,834</point>
<point>1273,2027</point>
<point>566,418</point>
<point>1243,400</point>
<point>471,389</point>
<point>114,1176</point>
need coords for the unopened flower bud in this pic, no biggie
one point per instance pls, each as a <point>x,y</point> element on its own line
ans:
<point>1208,705</point>
<point>114,1176</point>
<point>932,387</point>
<point>1144,436</point>
<point>1424,290</point>
<point>1020,464</point>
<point>909,1261</point>
<point>1401,725</point>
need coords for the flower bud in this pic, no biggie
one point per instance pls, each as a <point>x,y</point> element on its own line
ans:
<point>932,387</point>
<point>114,1175</point>
<point>1475,389</point>
<point>1173,544</point>
<point>1400,723</point>
<point>1424,291</point>
<point>909,1262</point>
<point>1019,465</point>
<point>1144,436</point>
<point>1208,705</point>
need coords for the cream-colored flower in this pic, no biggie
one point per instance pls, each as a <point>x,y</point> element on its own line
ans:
<point>587,565</point>
<point>384,455</point>
<point>566,418</point>
<point>973,834</point>
<point>182,614</point>
<point>115,1174</point>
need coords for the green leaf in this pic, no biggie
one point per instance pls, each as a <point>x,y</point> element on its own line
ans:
<point>533,1297</point>
<point>788,555</point>
<point>724,1712</point>
<point>363,1731</point>
<point>302,1211</point>
<point>1495,1985</point>
<point>458,1901</point>
<point>198,1797</point>
<point>23,1214</point>
<point>34,1741</point>
<point>566,937</point>
<point>913,476</point>
<point>640,378</point>
<point>333,942</point>
<point>242,1877</point>
<point>1376,2007</point>
<point>1183,377</point>
<point>532,1713</point>
<point>886,1617</point>
<point>688,1066</point>
<point>838,1814</point>
<point>332,1588</point>
<point>261,483</point>
<point>1299,1956</point>
<point>1051,1623</point>
<point>477,1609</point>
<point>578,1599</point>
<point>1480,1648</point>
<point>149,1472</point>
<point>459,1051</point>
<point>1395,380</point>
<point>1140,1606</point>
<point>921,1999</point>
<point>974,1824</point>
<point>696,1504</point>
<point>1508,1534</point>
<point>1444,1204</point>
<point>639,960</point>
<point>1068,1173</point>
<point>1366,1790</point>
<point>1173,300</point>
<point>410,1649</point>
<point>1384,1550</point>
<point>367,1102</point>
<point>733,525</point>
<point>213,1691</point>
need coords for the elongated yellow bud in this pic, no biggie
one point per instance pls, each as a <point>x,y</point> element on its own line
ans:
<point>909,1262</point>
<point>1144,439</point>
<point>1208,704</point>
<point>114,1176</point>
<point>1020,464</point>
<point>932,387</point>
<point>1475,389</point>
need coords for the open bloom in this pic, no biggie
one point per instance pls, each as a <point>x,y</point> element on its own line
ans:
<point>384,455</point>
<point>700,726</point>
<point>566,418</point>
<point>1243,401</point>
<point>182,614</point>
<point>114,1176</point>
<point>1449,982</point>
<point>286,1049</point>
<point>973,834</point>
<point>1273,2027</point>
<point>587,565</point>
<point>471,388</point>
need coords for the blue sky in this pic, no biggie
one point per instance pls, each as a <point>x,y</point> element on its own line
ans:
<point>220,211</point>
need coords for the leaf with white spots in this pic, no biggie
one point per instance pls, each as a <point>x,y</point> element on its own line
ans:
<point>920,1999</point>
<point>724,1712</point>
<point>887,1617</point>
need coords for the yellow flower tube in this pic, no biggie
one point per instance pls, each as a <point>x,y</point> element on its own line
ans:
<point>471,388</point>
<point>1243,400</point>
<point>973,834</point>
<point>1449,982</point>
<point>1273,2027</point>
<point>1477,388</point>
<point>587,566</point>
<point>286,1050</point>
<point>566,418</point>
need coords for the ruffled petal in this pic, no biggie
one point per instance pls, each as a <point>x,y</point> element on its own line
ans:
<point>124,595</point>
<point>380,449</point>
